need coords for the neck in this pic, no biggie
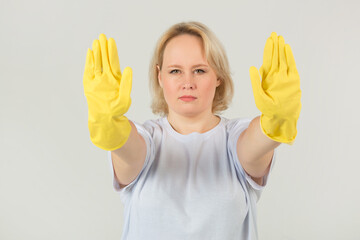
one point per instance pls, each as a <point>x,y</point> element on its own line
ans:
<point>189,124</point>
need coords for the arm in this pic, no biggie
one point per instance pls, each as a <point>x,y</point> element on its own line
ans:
<point>255,151</point>
<point>129,159</point>
<point>277,96</point>
<point>108,95</point>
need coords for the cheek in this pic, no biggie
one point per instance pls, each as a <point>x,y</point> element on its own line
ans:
<point>209,89</point>
<point>169,90</point>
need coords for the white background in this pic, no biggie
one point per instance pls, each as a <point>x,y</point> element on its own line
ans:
<point>55,184</point>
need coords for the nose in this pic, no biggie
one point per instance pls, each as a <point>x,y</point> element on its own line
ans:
<point>189,82</point>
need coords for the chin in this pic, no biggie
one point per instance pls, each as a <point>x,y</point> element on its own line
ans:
<point>188,112</point>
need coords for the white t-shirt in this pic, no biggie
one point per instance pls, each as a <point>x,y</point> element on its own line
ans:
<point>191,186</point>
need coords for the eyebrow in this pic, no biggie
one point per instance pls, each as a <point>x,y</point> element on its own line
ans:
<point>179,66</point>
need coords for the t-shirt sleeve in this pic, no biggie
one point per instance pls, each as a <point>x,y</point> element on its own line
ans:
<point>235,128</point>
<point>148,140</point>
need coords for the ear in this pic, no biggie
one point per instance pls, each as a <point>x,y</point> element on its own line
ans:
<point>218,82</point>
<point>159,76</point>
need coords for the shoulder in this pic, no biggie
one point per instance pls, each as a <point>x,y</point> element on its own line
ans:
<point>236,124</point>
<point>150,127</point>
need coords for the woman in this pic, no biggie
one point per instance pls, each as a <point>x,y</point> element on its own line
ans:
<point>191,174</point>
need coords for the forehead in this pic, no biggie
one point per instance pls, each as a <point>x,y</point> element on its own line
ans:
<point>184,49</point>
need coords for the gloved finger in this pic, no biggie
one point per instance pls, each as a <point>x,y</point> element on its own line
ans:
<point>89,64</point>
<point>267,57</point>
<point>282,58</point>
<point>125,90</point>
<point>114,59</point>
<point>290,60</point>
<point>275,57</point>
<point>104,53</point>
<point>97,57</point>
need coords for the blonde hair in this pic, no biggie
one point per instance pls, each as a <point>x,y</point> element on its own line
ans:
<point>215,55</point>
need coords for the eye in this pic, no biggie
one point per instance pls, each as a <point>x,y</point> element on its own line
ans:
<point>199,71</point>
<point>174,70</point>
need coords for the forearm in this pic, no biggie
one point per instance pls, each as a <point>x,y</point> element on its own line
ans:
<point>134,149</point>
<point>255,144</point>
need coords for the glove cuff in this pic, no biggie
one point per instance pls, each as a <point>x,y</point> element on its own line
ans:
<point>111,134</point>
<point>279,129</point>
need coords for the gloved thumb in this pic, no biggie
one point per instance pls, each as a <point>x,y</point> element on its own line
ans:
<point>125,89</point>
<point>256,85</point>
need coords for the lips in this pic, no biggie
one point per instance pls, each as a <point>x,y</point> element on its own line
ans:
<point>187,98</point>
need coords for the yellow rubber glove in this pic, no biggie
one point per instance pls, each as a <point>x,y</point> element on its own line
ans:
<point>278,95</point>
<point>108,95</point>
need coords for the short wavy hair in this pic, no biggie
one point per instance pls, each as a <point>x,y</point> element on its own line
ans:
<point>215,55</point>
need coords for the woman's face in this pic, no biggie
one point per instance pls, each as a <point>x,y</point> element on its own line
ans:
<point>187,80</point>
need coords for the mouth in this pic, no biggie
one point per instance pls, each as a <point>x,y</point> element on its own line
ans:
<point>187,98</point>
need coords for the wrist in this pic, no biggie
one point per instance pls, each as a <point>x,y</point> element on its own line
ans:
<point>279,129</point>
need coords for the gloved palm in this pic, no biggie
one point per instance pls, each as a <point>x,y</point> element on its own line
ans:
<point>108,95</point>
<point>278,95</point>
